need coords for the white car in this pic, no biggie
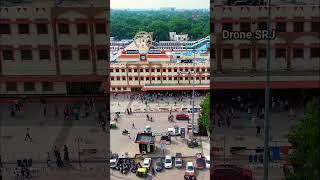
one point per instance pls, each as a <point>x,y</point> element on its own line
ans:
<point>208,162</point>
<point>168,162</point>
<point>190,169</point>
<point>146,163</point>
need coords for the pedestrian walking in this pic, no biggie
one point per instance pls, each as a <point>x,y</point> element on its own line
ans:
<point>48,159</point>
<point>56,111</point>
<point>133,126</point>
<point>258,130</point>
<point>66,154</point>
<point>27,135</point>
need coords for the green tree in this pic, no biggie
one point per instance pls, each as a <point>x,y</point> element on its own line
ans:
<point>204,118</point>
<point>304,138</point>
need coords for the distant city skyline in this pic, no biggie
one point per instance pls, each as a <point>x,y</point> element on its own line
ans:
<point>157,4</point>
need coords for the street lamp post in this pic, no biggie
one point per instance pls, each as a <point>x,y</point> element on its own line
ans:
<point>267,99</point>
<point>193,83</point>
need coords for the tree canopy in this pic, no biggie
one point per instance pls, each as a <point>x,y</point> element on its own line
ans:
<point>126,23</point>
<point>304,138</point>
<point>204,118</point>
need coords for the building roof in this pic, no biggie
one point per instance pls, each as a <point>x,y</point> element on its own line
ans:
<point>145,138</point>
<point>50,3</point>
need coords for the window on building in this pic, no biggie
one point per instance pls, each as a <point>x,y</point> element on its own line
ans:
<point>197,78</point>
<point>130,78</point>
<point>175,70</point>
<point>158,70</point>
<point>262,26</point>
<point>129,70</point>
<point>141,70</point>
<point>298,26</point>
<point>102,54</point>
<point>23,28</point>
<point>5,29</point>
<point>227,26</point>
<point>280,53</point>
<point>147,78</point>
<point>42,28</point>
<point>63,28</point>
<point>11,86</point>
<point>112,78</point>
<point>147,70</point>
<point>175,78</point>
<point>7,55</point>
<point>84,54</point>
<point>26,54</point>
<point>262,52</point>
<point>203,78</point>
<point>82,28</point>
<point>203,69</point>
<point>169,70</point>
<point>164,78</point>
<point>118,78</point>
<point>170,78</point>
<point>297,53</point>
<point>135,70</point>
<point>141,78</point>
<point>164,70</point>
<point>47,86</point>
<point>227,54</point>
<point>152,70</point>
<point>123,78</point>
<point>136,79</point>
<point>100,28</point>
<point>44,54</point>
<point>158,78</point>
<point>153,78</point>
<point>29,86</point>
<point>245,27</point>
<point>181,78</point>
<point>117,70</point>
<point>245,53</point>
<point>315,26</point>
<point>124,88</point>
<point>123,70</point>
<point>281,27</point>
<point>66,54</point>
<point>315,52</point>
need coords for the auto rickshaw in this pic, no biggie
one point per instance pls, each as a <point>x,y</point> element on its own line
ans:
<point>142,172</point>
<point>113,125</point>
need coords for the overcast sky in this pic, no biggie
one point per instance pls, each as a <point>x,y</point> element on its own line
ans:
<point>156,4</point>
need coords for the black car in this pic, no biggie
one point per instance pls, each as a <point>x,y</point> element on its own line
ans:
<point>159,164</point>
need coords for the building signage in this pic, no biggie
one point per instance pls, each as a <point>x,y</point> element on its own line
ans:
<point>256,35</point>
<point>143,41</point>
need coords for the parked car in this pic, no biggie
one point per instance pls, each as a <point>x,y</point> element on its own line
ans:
<point>208,162</point>
<point>200,161</point>
<point>159,164</point>
<point>166,138</point>
<point>147,163</point>
<point>182,116</point>
<point>190,171</point>
<point>227,171</point>
<point>168,162</point>
<point>175,131</point>
<point>114,160</point>
<point>178,162</point>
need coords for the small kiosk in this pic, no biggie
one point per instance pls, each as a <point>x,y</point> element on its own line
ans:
<point>146,142</point>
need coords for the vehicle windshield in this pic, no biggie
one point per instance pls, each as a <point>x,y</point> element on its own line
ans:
<point>168,160</point>
<point>200,160</point>
<point>145,164</point>
<point>190,168</point>
<point>113,163</point>
<point>178,162</point>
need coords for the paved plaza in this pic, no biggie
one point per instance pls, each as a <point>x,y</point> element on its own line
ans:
<point>159,109</point>
<point>84,135</point>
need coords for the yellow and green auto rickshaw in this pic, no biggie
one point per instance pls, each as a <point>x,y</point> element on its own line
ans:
<point>142,172</point>
<point>113,125</point>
